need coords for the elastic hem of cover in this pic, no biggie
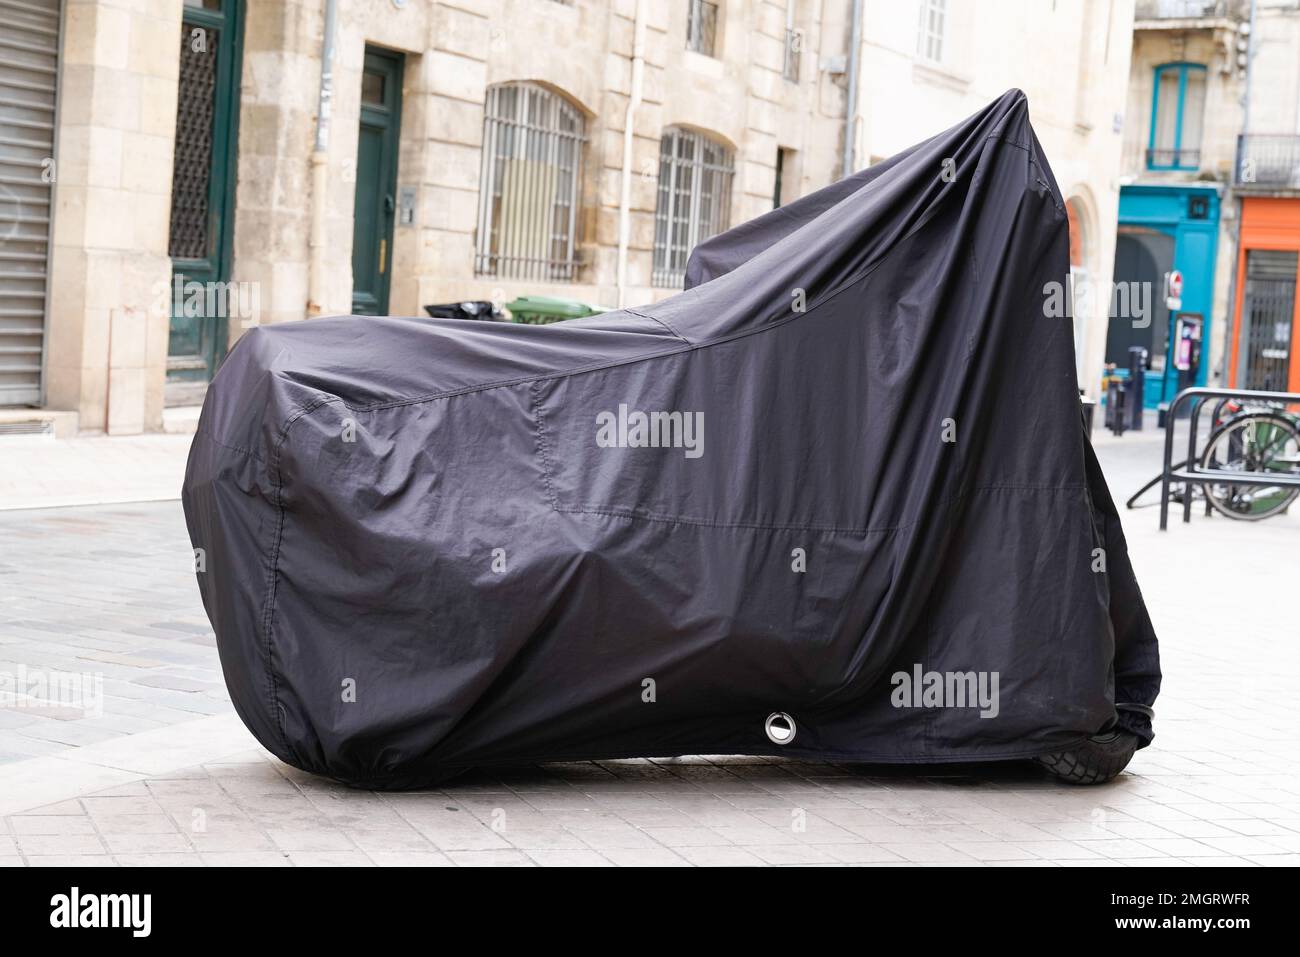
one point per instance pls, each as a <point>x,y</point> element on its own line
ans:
<point>409,781</point>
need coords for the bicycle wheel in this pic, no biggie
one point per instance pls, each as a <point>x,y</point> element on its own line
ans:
<point>1254,442</point>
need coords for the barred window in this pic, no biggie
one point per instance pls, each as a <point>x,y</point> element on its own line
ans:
<point>694,199</point>
<point>528,194</point>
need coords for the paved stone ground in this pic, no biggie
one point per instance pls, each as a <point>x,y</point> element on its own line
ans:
<point>162,773</point>
<point>91,469</point>
<point>109,592</point>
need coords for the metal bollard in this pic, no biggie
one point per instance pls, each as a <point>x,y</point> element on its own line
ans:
<point>1137,364</point>
<point>1115,406</point>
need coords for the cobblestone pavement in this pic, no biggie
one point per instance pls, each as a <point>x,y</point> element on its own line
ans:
<point>162,772</point>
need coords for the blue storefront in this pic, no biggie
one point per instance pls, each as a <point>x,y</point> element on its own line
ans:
<point>1162,228</point>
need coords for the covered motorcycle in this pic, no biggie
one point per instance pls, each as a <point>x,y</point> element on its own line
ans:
<point>835,500</point>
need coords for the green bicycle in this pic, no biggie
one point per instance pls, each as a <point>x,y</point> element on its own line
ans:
<point>1252,439</point>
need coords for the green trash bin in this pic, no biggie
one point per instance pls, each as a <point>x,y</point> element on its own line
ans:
<point>539,310</point>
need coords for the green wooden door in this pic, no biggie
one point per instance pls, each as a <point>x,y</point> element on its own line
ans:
<point>375,207</point>
<point>203,180</point>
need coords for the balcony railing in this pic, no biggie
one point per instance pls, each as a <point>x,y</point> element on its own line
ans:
<point>1190,9</point>
<point>1265,159</point>
<point>1174,159</point>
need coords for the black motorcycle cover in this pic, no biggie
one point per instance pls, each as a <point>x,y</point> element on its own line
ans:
<point>843,477</point>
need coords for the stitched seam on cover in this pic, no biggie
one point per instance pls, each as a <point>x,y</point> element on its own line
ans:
<point>662,322</point>
<point>689,346</point>
<point>666,519</point>
<point>232,448</point>
<point>268,616</point>
<point>268,611</point>
<point>1041,180</point>
<point>539,426</point>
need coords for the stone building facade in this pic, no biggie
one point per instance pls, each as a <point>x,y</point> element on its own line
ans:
<point>470,149</point>
<point>1185,112</point>
<point>1205,180</point>
<point>1261,337</point>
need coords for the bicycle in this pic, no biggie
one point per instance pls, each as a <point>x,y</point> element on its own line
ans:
<point>1262,438</point>
<point>1246,437</point>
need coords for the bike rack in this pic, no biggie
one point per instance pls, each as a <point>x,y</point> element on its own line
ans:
<point>1188,472</point>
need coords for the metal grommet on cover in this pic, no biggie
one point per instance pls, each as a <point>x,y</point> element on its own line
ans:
<point>780,727</point>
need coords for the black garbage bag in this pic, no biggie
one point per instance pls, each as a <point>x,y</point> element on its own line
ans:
<point>835,500</point>
<point>473,309</point>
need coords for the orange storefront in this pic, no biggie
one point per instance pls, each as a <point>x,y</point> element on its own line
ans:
<point>1265,319</point>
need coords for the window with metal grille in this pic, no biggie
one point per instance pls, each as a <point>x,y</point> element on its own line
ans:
<point>702,26</point>
<point>934,14</point>
<point>1267,313</point>
<point>528,195</point>
<point>190,234</point>
<point>694,200</point>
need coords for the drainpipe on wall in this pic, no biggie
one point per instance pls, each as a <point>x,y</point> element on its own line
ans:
<point>851,109</point>
<point>1226,371</point>
<point>319,166</point>
<point>625,193</point>
<point>1250,62</point>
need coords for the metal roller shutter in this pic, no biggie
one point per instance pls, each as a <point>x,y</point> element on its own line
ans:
<point>29,60</point>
